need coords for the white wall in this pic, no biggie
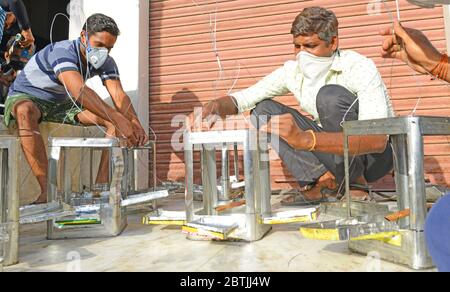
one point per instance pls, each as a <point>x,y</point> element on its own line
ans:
<point>131,51</point>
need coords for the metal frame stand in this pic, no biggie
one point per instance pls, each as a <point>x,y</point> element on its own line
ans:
<point>245,223</point>
<point>9,200</point>
<point>407,139</point>
<point>122,194</point>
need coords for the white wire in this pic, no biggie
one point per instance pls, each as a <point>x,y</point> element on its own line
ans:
<point>64,84</point>
<point>398,10</point>
<point>221,74</point>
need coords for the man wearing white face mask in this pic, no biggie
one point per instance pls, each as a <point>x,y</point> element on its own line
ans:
<point>52,88</point>
<point>331,86</point>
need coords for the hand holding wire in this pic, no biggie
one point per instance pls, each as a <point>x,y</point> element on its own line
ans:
<point>410,46</point>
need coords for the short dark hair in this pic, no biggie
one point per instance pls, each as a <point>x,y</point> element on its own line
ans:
<point>99,23</point>
<point>316,20</point>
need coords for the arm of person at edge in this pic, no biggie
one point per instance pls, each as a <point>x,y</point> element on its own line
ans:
<point>412,47</point>
<point>20,13</point>
<point>90,100</point>
<point>123,104</point>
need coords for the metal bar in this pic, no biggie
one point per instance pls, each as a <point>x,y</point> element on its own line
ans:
<point>416,177</point>
<point>209,178</point>
<point>397,126</point>
<point>264,173</point>
<point>144,198</point>
<point>84,142</point>
<point>189,180</point>
<point>91,168</point>
<point>155,183</point>
<point>236,161</point>
<point>12,250</point>
<point>401,175</point>
<point>250,182</point>
<point>417,195</point>
<point>3,186</point>
<point>67,177</point>
<point>133,187</point>
<point>225,194</point>
<point>347,171</point>
<point>52,183</point>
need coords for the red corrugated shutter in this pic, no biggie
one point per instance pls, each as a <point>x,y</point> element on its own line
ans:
<point>253,35</point>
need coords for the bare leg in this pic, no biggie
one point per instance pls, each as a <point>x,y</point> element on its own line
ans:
<point>88,119</point>
<point>27,115</point>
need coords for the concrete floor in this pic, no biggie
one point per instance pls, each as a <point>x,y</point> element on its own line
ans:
<point>160,248</point>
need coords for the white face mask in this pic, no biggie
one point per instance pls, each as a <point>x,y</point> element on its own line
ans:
<point>97,56</point>
<point>314,67</point>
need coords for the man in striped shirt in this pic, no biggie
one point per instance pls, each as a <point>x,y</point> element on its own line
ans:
<point>52,88</point>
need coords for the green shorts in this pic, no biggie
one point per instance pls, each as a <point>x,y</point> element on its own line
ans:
<point>52,112</point>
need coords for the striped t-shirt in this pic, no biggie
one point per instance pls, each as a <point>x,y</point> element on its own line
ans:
<point>2,22</point>
<point>39,78</point>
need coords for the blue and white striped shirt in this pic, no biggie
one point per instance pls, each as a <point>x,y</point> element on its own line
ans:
<point>2,22</point>
<point>39,78</point>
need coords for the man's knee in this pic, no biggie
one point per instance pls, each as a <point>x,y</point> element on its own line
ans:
<point>265,108</point>
<point>331,97</point>
<point>26,111</point>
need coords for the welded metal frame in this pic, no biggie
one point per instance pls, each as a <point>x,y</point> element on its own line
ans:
<point>131,182</point>
<point>123,191</point>
<point>9,198</point>
<point>256,174</point>
<point>407,140</point>
<point>113,217</point>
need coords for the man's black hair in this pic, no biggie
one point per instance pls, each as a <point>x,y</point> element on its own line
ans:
<point>99,23</point>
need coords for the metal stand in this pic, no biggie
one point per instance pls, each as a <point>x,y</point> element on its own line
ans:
<point>245,223</point>
<point>9,200</point>
<point>250,222</point>
<point>407,139</point>
<point>96,217</point>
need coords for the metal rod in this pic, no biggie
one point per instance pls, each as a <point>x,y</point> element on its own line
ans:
<point>209,177</point>
<point>91,166</point>
<point>189,183</point>
<point>67,177</point>
<point>347,173</point>
<point>225,195</point>
<point>236,161</point>
<point>401,175</point>
<point>417,194</point>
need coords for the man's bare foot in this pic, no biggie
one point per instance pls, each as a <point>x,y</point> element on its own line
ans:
<point>325,181</point>
<point>41,200</point>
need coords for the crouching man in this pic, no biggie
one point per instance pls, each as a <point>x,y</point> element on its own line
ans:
<point>332,86</point>
<point>52,88</point>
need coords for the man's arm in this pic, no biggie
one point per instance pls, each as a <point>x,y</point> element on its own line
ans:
<point>270,86</point>
<point>325,142</point>
<point>20,11</point>
<point>86,97</point>
<point>124,105</point>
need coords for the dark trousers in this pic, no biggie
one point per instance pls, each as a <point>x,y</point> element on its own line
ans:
<point>438,235</point>
<point>333,103</point>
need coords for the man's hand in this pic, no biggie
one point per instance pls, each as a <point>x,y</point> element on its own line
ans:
<point>7,80</point>
<point>286,128</point>
<point>208,118</point>
<point>410,46</point>
<point>211,112</point>
<point>141,136</point>
<point>125,129</point>
<point>28,38</point>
